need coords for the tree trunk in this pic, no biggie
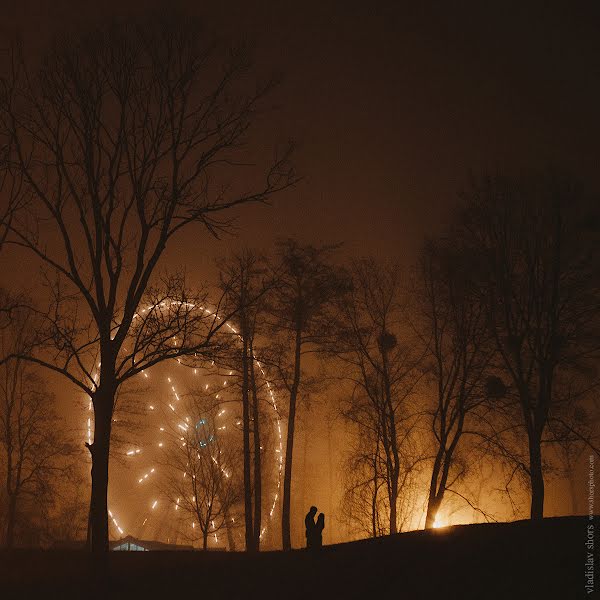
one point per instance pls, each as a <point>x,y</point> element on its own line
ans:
<point>103,403</point>
<point>390,444</point>
<point>432,503</point>
<point>374,497</point>
<point>12,470</point>
<point>394,506</point>
<point>229,528</point>
<point>374,509</point>
<point>289,448</point>
<point>10,520</point>
<point>441,470</point>
<point>88,537</point>
<point>287,477</point>
<point>249,530</point>
<point>257,454</point>
<point>536,475</point>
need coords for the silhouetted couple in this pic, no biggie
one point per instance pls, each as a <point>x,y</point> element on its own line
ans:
<point>314,531</point>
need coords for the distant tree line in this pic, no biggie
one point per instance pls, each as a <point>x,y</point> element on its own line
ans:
<point>500,316</point>
<point>124,137</point>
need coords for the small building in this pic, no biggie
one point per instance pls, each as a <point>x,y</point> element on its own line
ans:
<point>129,543</point>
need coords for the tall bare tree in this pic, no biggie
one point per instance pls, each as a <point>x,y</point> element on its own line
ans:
<point>365,503</point>
<point>31,442</point>
<point>537,239</point>
<point>451,323</point>
<point>123,138</point>
<point>300,320</point>
<point>245,284</point>
<point>384,374</point>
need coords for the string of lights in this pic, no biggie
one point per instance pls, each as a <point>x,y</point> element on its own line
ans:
<point>183,423</point>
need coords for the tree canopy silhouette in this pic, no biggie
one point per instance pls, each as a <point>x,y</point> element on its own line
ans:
<point>123,137</point>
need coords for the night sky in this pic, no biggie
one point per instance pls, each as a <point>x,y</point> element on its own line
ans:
<point>392,107</point>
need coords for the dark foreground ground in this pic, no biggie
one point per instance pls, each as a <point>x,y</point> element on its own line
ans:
<point>505,561</point>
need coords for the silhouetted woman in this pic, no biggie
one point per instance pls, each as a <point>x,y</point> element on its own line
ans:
<point>309,522</point>
<point>319,526</point>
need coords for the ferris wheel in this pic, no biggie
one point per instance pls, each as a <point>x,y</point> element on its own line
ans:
<point>182,409</point>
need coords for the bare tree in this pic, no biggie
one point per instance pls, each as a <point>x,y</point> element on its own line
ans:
<point>300,321</point>
<point>201,475</point>
<point>10,188</point>
<point>537,238</point>
<point>122,138</point>
<point>363,480</point>
<point>69,515</point>
<point>245,283</point>
<point>384,374</point>
<point>33,449</point>
<point>452,326</point>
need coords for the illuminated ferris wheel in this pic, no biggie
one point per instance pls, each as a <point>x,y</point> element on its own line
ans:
<point>191,422</point>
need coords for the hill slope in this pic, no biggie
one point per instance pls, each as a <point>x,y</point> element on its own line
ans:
<point>504,561</point>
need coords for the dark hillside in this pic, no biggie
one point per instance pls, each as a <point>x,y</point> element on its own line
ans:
<point>504,561</point>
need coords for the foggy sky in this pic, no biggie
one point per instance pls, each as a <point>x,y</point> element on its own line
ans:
<point>392,105</point>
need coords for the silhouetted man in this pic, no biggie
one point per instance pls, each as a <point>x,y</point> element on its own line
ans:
<point>318,531</point>
<point>309,523</point>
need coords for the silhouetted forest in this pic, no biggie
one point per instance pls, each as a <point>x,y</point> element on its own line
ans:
<point>144,401</point>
